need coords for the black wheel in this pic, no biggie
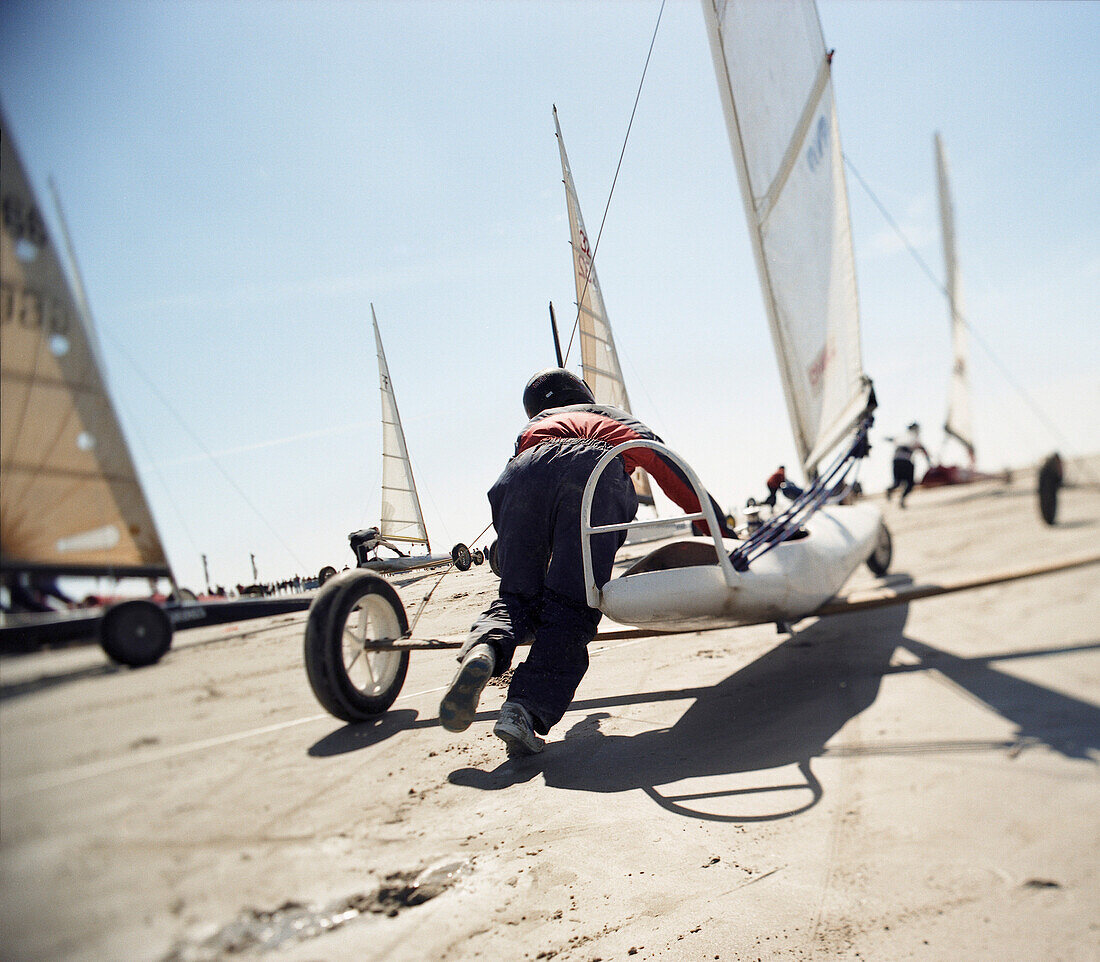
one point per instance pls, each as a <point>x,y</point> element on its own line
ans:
<point>135,633</point>
<point>880,559</point>
<point>350,681</point>
<point>494,560</point>
<point>324,574</point>
<point>461,556</point>
<point>478,556</point>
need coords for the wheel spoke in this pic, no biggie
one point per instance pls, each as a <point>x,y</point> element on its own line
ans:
<point>358,634</point>
<point>370,671</point>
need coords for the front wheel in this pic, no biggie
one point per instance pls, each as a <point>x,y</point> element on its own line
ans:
<point>461,557</point>
<point>350,680</point>
<point>880,559</point>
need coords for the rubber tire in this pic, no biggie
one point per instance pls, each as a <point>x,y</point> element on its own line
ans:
<point>461,557</point>
<point>135,633</point>
<point>478,556</point>
<point>324,574</point>
<point>186,594</point>
<point>326,666</point>
<point>880,559</point>
<point>494,560</point>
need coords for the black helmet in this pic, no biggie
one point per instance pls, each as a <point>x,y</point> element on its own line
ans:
<point>554,388</point>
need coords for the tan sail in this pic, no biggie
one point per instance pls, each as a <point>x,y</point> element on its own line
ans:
<point>70,497</point>
<point>402,519</point>
<point>599,359</point>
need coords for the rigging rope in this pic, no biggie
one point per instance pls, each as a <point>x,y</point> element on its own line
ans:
<point>614,180</point>
<point>202,447</point>
<point>1036,410</point>
<point>787,523</point>
<point>446,571</point>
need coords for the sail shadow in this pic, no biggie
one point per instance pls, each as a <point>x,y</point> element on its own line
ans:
<point>1067,725</point>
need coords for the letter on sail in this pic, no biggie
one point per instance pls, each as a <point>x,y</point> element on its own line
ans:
<point>70,498</point>
<point>599,360</point>
<point>402,519</point>
<point>958,399</point>
<point>783,129</point>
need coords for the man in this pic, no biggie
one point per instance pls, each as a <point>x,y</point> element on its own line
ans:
<point>536,505</point>
<point>905,448</point>
<point>775,482</point>
<point>365,544</point>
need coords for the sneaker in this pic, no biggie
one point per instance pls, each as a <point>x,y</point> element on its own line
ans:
<point>459,704</point>
<point>515,729</point>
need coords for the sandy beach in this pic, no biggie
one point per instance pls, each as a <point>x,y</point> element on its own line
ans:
<point>916,782</point>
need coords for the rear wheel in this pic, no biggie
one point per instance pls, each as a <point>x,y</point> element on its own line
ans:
<point>478,556</point>
<point>461,557</point>
<point>324,574</point>
<point>135,633</point>
<point>880,559</point>
<point>350,680</point>
<point>494,559</point>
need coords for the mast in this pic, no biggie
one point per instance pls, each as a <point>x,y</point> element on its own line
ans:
<point>557,340</point>
<point>958,422</point>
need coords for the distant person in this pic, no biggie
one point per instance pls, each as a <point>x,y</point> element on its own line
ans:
<point>536,507</point>
<point>365,544</point>
<point>1051,477</point>
<point>904,449</point>
<point>32,592</point>
<point>775,482</point>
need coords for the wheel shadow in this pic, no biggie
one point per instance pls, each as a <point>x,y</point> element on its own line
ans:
<point>359,735</point>
<point>781,711</point>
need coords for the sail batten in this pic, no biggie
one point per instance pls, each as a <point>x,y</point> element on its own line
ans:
<point>402,518</point>
<point>774,81</point>
<point>70,497</point>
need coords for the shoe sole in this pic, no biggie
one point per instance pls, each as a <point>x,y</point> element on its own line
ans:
<point>515,743</point>
<point>459,705</point>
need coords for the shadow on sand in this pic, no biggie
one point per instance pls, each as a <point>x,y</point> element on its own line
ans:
<point>781,711</point>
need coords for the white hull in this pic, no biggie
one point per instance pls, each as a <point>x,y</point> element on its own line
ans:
<point>787,583</point>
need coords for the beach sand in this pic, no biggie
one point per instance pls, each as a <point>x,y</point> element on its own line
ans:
<point>915,782</point>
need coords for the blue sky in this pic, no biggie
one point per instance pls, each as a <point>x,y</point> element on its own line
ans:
<point>243,179</point>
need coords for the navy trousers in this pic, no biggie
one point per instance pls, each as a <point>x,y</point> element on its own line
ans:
<point>536,504</point>
<point>903,476</point>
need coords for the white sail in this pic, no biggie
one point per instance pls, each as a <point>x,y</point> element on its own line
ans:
<point>402,519</point>
<point>958,424</point>
<point>70,498</point>
<point>774,81</point>
<point>599,359</point>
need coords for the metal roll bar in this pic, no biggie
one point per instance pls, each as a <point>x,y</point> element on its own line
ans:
<point>592,590</point>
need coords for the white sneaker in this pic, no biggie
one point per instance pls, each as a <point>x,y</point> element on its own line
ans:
<point>515,729</point>
<point>459,704</point>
